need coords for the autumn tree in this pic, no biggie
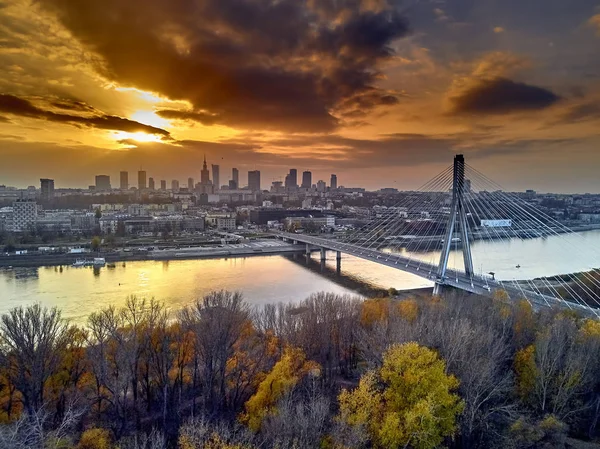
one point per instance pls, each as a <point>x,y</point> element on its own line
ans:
<point>32,344</point>
<point>284,376</point>
<point>409,401</point>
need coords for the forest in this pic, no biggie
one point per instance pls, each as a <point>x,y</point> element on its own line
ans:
<point>330,372</point>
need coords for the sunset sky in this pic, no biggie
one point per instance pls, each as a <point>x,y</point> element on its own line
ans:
<point>381,92</point>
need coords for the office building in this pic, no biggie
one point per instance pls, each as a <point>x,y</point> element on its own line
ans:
<point>291,179</point>
<point>24,215</point>
<point>216,177</point>
<point>321,186</point>
<point>306,180</point>
<point>333,182</point>
<point>102,182</point>
<point>47,188</point>
<point>141,180</point>
<point>163,184</point>
<point>254,180</point>
<point>235,177</point>
<point>190,184</point>
<point>175,185</point>
<point>123,180</point>
<point>151,184</point>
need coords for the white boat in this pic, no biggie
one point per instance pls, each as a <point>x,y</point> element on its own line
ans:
<point>99,261</point>
<point>80,263</point>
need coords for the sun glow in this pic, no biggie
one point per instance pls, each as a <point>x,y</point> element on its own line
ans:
<point>138,136</point>
<point>150,118</point>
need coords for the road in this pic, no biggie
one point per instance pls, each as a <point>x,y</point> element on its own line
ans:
<point>480,285</point>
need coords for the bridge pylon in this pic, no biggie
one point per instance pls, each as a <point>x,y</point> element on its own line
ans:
<point>456,220</point>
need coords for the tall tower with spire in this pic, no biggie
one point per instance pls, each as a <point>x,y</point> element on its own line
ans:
<point>204,174</point>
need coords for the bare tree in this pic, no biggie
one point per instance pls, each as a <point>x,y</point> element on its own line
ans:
<point>33,341</point>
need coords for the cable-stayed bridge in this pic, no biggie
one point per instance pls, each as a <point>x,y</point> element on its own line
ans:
<point>458,206</point>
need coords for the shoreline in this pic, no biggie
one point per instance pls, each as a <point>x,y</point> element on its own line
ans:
<point>48,260</point>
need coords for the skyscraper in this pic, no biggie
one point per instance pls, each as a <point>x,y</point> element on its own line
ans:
<point>124,180</point>
<point>190,184</point>
<point>175,185</point>
<point>102,182</point>
<point>291,179</point>
<point>151,183</point>
<point>254,180</point>
<point>216,178</point>
<point>235,177</point>
<point>47,188</point>
<point>163,185</point>
<point>141,180</point>
<point>306,180</point>
<point>204,173</point>
<point>321,186</point>
<point>333,182</point>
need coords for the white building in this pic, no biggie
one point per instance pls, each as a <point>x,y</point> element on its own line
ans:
<point>226,224</point>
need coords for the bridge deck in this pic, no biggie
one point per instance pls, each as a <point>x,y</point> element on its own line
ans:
<point>477,284</point>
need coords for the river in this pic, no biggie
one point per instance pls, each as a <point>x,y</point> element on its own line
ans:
<point>270,279</point>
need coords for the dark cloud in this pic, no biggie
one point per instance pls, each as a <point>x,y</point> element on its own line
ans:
<point>201,117</point>
<point>287,65</point>
<point>501,96</point>
<point>11,104</point>
<point>4,120</point>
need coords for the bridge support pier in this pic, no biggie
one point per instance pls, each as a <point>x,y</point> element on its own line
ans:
<point>338,262</point>
<point>307,249</point>
<point>323,254</point>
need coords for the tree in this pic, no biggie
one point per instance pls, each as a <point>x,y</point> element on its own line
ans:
<point>284,376</point>
<point>409,401</point>
<point>98,213</point>
<point>95,244</point>
<point>33,342</point>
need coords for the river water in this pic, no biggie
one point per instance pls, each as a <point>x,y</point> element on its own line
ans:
<point>270,279</point>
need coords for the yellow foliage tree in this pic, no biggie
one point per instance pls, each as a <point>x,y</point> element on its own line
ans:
<point>374,311</point>
<point>526,371</point>
<point>213,442</point>
<point>95,439</point>
<point>284,376</point>
<point>590,328</point>
<point>408,309</point>
<point>408,402</point>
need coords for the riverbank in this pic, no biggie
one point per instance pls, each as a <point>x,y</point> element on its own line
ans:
<point>265,248</point>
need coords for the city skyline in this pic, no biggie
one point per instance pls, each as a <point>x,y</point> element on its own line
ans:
<point>521,99</point>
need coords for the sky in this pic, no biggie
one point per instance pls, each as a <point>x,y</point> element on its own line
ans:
<point>381,92</point>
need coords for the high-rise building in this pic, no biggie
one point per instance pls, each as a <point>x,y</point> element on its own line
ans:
<point>47,188</point>
<point>163,184</point>
<point>291,179</point>
<point>306,180</point>
<point>235,177</point>
<point>24,215</point>
<point>216,178</point>
<point>124,180</point>
<point>204,174</point>
<point>151,184</point>
<point>175,185</point>
<point>333,182</point>
<point>141,180</point>
<point>190,184</point>
<point>254,180</point>
<point>102,182</point>
<point>321,186</point>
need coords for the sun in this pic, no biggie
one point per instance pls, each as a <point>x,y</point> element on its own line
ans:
<point>150,118</point>
<point>138,136</point>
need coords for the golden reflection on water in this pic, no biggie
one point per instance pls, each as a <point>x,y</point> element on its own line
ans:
<point>79,291</point>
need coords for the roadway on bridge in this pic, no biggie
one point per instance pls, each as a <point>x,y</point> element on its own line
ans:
<point>481,285</point>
